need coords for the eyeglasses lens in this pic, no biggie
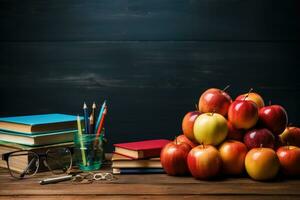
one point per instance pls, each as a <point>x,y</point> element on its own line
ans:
<point>23,163</point>
<point>59,160</point>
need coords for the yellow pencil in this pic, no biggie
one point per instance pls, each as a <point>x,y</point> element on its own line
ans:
<point>81,142</point>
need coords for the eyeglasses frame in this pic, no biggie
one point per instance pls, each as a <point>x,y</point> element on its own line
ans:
<point>5,157</point>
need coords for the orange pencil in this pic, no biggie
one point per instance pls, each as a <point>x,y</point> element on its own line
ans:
<point>101,122</point>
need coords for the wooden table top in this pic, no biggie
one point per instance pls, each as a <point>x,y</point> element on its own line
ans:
<point>151,186</point>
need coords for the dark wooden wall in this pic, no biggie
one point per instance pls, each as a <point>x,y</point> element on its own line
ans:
<point>151,60</point>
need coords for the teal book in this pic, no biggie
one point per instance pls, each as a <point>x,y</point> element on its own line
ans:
<point>38,139</point>
<point>37,124</point>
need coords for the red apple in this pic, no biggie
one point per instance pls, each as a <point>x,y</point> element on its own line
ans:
<point>289,157</point>
<point>262,164</point>
<point>243,114</point>
<point>274,118</point>
<point>173,158</point>
<point>259,138</point>
<point>183,139</point>
<point>188,124</point>
<point>215,100</point>
<point>210,128</point>
<point>233,155</point>
<point>290,136</point>
<point>204,162</point>
<point>234,133</point>
<point>252,96</point>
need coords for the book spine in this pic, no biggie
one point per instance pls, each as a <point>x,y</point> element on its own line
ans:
<point>151,153</point>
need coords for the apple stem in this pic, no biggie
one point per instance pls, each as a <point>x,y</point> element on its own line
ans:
<point>261,145</point>
<point>251,89</point>
<point>213,112</point>
<point>270,102</point>
<point>176,140</point>
<point>228,86</point>
<point>196,106</point>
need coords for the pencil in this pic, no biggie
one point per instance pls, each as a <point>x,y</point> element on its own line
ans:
<point>81,142</point>
<point>100,115</point>
<point>92,119</point>
<point>101,122</point>
<point>86,119</point>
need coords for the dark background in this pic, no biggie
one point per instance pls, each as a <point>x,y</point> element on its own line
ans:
<point>151,60</point>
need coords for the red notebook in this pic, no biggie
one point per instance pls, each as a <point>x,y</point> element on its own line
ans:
<point>142,149</point>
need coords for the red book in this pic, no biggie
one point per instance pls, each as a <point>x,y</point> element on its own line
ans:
<point>142,149</point>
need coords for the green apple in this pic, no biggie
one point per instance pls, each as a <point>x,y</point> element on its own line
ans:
<point>210,128</point>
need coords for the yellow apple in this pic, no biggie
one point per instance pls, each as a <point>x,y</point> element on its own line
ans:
<point>210,128</point>
<point>262,164</point>
<point>254,97</point>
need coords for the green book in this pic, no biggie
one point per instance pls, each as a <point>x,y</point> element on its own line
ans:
<point>38,139</point>
<point>14,146</point>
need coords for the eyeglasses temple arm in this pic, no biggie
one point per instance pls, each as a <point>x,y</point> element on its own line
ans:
<point>5,156</point>
<point>26,169</point>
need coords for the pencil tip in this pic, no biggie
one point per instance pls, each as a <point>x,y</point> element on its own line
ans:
<point>94,105</point>
<point>84,105</point>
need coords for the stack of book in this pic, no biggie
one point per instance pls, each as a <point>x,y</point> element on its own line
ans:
<point>138,157</point>
<point>37,133</point>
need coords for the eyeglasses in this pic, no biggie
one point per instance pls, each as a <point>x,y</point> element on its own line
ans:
<point>90,177</point>
<point>25,163</point>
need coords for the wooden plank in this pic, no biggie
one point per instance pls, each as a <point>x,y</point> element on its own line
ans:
<point>154,179</point>
<point>142,186</point>
<point>160,179</point>
<point>148,185</point>
<point>148,65</point>
<point>151,197</point>
<point>163,180</point>
<point>143,20</point>
<point>149,85</point>
<point>148,189</point>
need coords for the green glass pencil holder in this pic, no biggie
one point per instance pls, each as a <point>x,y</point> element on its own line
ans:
<point>89,151</point>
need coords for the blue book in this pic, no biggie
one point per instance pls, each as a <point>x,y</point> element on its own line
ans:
<point>33,124</point>
<point>138,171</point>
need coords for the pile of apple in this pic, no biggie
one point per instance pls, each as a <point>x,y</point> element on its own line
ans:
<point>233,137</point>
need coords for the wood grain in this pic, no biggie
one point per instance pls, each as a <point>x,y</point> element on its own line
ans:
<point>149,85</point>
<point>151,60</point>
<point>254,20</point>
<point>154,197</point>
<point>148,186</point>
